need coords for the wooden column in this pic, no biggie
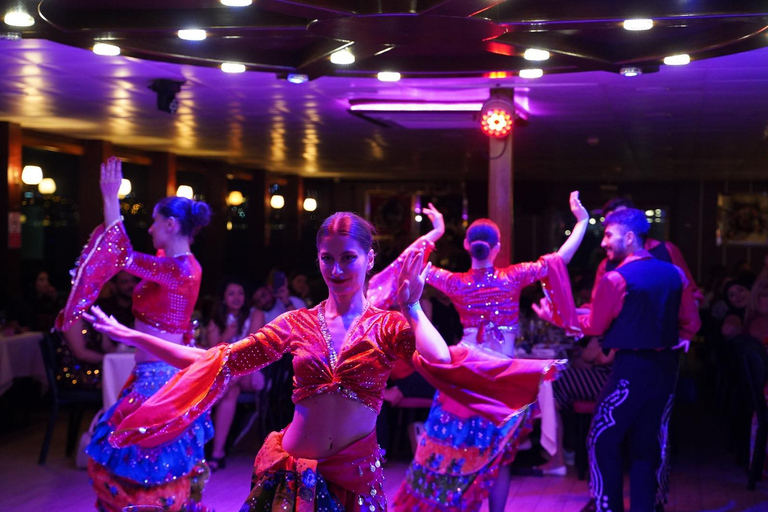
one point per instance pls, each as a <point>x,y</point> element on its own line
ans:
<point>10,208</point>
<point>89,202</point>
<point>500,173</point>
<point>162,177</point>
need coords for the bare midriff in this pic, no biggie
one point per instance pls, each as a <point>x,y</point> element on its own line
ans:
<point>143,356</point>
<point>325,424</point>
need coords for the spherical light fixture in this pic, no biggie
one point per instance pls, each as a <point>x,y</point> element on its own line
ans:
<point>109,50</point>
<point>343,57</point>
<point>31,175</point>
<point>185,191</point>
<point>277,201</point>
<point>310,204</point>
<point>125,188</point>
<point>235,198</point>
<point>18,19</point>
<point>497,118</point>
<point>47,186</point>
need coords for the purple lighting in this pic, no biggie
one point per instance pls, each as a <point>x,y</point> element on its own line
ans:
<point>416,107</point>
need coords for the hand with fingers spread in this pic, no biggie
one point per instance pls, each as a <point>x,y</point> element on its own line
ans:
<point>412,278</point>
<point>107,324</point>
<point>111,177</point>
<point>577,208</point>
<point>438,224</point>
<point>543,309</point>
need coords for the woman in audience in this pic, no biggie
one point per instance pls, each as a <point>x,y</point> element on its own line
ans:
<point>172,474</point>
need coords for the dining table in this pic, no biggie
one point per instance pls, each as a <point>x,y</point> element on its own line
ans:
<point>20,357</point>
<point>117,367</point>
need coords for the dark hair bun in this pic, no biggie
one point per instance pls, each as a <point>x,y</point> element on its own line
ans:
<point>201,214</point>
<point>479,249</point>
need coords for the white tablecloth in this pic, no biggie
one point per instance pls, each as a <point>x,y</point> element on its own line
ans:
<point>20,357</point>
<point>117,368</point>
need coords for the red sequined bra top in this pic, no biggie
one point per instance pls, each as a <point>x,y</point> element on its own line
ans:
<point>164,298</point>
<point>359,371</point>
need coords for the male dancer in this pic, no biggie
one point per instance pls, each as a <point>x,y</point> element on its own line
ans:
<point>645,309</point>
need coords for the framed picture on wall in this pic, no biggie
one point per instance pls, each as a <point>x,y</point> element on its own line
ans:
<point>742,219</point>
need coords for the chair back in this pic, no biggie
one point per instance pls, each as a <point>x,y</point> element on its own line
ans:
<point>48,353</point>
<point>752,357</point>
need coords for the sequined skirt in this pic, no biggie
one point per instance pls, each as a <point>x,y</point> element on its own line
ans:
<point>350,480</point>
<point>457,460</point>
<point>148,466</point>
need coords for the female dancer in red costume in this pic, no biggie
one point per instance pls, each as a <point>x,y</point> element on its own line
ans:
<point>462,456</point>
<point>173,474</point>
<point>343,351</point>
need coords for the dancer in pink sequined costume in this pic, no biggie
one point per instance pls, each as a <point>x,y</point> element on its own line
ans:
<point>173,474</point>
<point>462,457</point>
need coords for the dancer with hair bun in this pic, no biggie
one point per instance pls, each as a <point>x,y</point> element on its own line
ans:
<point>171,475</point>
<point>463,457</point>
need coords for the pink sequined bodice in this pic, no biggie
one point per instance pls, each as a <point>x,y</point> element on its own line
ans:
<point>362,367</point>
<point>489,295</point>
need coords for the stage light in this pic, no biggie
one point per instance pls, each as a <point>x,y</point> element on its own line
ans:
<point>232,67</point>
<point>166,94</point>
<point>342,57</point>
<point>18,19</point>
<point>638,24</point>
<point>497,118</point>
<point>31,175</point>
<point>192,34</point>
<point>185,191</point>
<point>677,60</point>
<point>47,186</point>
<point>125,188</point>
<point>277,201</point>
<point>235,198</point>
<point>535,54</point>
<point>109,50</point>
<point>310,204</point>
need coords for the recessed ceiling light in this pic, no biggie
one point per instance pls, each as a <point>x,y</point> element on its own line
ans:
<point>535,54</point>
<point>19,19</point>
<point>297,78</point>
<point>638,24</point>
<point>236,3</point>
<point>192,34</point>
<point>106,49</point>
<point>232,67</point>
<point>388,76</point>
<point>631,71</point>
<point>342,57</point>
<point>531,73</point>
<point>677,60</point>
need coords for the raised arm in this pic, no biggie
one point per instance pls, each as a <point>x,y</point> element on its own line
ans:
<point>429,342</point>
<point>438,224</point>
<point>110,179</point>
<point>568,249</point>
<point>174,354</point>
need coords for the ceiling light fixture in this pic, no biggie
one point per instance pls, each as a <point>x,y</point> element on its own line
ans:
<point>343,57</point>
<point>388,76</point>
<point>19,19</point>
<point>297,78</point>
<point>677,60</point>
<point>192,34</point>
<point>536,54</point>
<point>631,71</point>
<point>106,49</point>
<point>638,24</point>
<point>310,204</point>
<point>531,73</point>
<point>185,191</point>
<point>277,201</point>
<point>31,174</point>
<point>232,67</point>
<point>236,3</point>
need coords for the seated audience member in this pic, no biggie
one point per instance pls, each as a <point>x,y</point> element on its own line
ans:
<point>275,300</point>
<point>37,308</point>
<point>232,320</point>
<point>298,283</point>
<point>737,297</point>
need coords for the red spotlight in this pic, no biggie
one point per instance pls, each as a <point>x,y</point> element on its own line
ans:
<point>497,118</point>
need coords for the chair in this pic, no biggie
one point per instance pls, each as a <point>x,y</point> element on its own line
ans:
<point>753,357</point>
<point>78,399</point>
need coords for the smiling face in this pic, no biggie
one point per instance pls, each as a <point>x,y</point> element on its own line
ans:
<point>738,296</point>
<point>234,297</point>
<point>614,242</point>
<point>343,264</point>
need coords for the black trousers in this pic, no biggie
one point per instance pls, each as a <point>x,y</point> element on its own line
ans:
<point>635,406</point>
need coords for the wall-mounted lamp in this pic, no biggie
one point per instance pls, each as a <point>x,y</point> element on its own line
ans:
<point>235,198</point>
<point>277,201</point>
<point>31,175</point>
<point>310,204</point>
<point>185,191</point>
<point>47,186</point>
<point>125,188</point>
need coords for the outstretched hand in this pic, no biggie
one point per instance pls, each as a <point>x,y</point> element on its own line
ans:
<point>111,177</point>
<point>412,277</point>
<point>106,324</point>
<point>577,208</point>
<point>543,310</point>
<point>435,217</point>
